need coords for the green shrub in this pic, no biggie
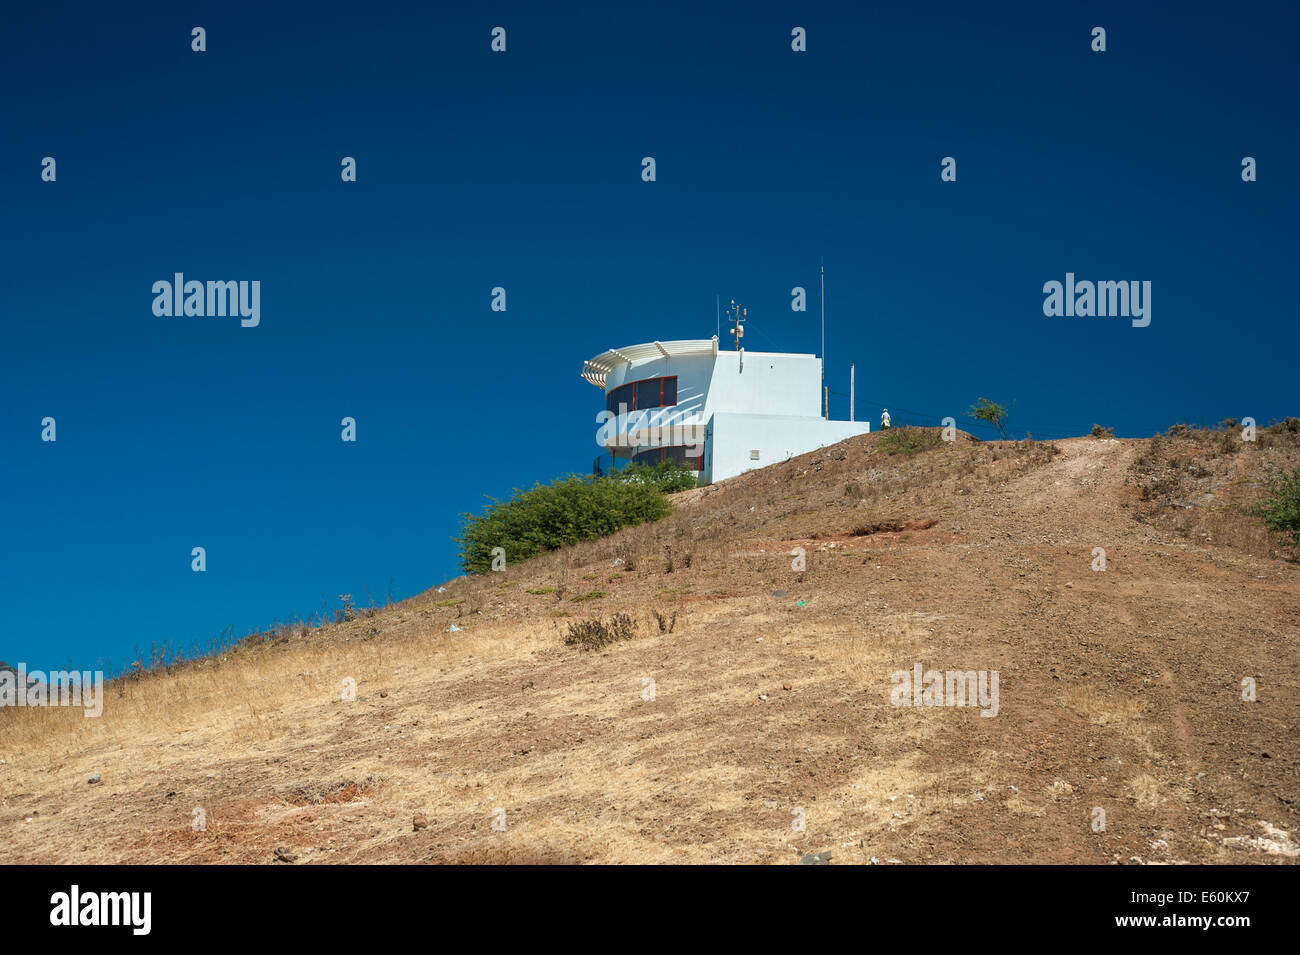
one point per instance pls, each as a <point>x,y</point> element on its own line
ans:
<point>909,440</point>
<point>1281,508</point>
<point>568,510</point>
<point>1099,432</point>
<point>540,590</point>
<point>668,476</point>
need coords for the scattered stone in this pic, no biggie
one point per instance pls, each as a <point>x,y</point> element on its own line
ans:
<point>785,686</point>
<point>284,855</point>
<point>816,858</point>
<point>418,822</point>
<point>94,780</point>
<point>383,693</point>
<point>780,593</point>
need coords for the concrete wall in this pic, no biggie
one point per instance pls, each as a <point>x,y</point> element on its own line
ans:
<point>732,438</point>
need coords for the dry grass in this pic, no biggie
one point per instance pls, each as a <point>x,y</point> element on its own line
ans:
<point>1104,707</point>
<point>764,704</point>
<point>252,693</point>
<point>1146,790</point>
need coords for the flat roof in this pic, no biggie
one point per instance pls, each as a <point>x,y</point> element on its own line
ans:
<point>595,370</point>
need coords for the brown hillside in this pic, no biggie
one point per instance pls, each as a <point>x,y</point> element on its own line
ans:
<point>1119,689</point>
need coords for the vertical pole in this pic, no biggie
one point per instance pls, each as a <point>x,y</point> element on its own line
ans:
<point>826,407</point>
<point>852,374</point>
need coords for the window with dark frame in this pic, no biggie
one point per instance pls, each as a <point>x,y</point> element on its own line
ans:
<point>643,394</point>
<point>650,393</point>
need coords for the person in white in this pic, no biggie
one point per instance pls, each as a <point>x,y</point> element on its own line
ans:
<point>884,418</point>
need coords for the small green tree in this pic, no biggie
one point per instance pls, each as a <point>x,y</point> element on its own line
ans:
<point>992,412</point>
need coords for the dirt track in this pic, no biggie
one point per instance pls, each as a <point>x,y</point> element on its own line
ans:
<point>1120,691</point>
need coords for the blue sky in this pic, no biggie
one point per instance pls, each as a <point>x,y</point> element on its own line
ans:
<point>523,170</point>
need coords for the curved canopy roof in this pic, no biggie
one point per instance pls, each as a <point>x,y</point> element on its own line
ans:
<point>596,369</point>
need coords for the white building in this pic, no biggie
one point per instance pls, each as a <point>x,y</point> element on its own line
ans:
<point>721,411</point>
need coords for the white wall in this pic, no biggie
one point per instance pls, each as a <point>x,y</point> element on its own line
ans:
<point>775,437</point>
<point>766,383</point>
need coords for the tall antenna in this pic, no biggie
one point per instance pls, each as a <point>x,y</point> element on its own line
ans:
<point>826,412</point>
<point>737,315</point>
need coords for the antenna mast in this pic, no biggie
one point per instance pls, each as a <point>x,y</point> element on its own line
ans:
<point>737,315</point>
<point>826,396</point>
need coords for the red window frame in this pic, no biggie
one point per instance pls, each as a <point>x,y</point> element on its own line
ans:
<point>632,406</point>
